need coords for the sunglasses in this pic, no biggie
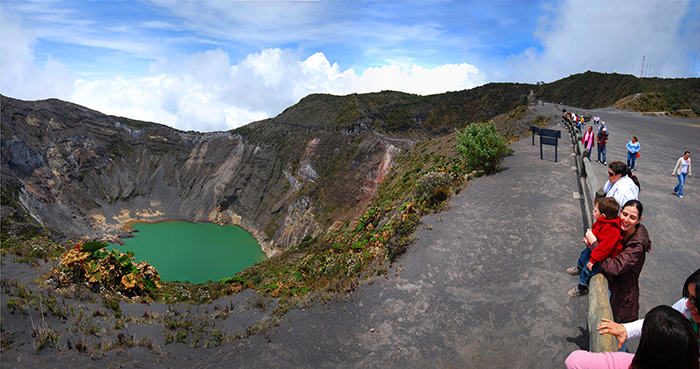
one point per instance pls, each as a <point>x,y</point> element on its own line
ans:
<point>611,174</point>
<point>694,303</point>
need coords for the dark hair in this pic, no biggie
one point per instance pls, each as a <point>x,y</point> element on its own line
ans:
<point>619,167</point>
<point>636,204</point>
<point>693,279</point>
<point>687,152</point>
<point>608,206</point>
<point>635,138</point>
<point>668,341</point>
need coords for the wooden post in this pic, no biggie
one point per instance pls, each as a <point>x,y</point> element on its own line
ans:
<point>598,308</point>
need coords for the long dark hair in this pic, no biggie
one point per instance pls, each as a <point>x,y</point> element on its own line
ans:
<point>695,280</point>
<point>668,341</point>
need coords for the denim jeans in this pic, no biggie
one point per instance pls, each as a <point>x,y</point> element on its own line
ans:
<point>586,274</point>
<point>601,150</point>
<point>681,182</point>
<point>631,158</point>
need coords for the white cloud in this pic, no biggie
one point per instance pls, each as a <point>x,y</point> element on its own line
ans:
<point>205,92</point>
<point>605,36</point>
<point>21,77</point>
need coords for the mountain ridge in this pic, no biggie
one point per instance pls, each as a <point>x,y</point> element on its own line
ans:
<point>76,173</point>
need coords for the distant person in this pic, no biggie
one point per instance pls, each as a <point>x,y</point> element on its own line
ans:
<point>602,142</point>
<point>668,341</point>
<point>622,271</point>
<point>588,139</point>
<point>687,305</point>
<point>601,126</point>
<point>682,170</point>
<point>620,185</point>
<point>606,230</point>
<point>632,152</point>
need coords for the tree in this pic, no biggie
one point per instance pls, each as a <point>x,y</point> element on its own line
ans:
<point>482,147</point>
<point>523,100</point>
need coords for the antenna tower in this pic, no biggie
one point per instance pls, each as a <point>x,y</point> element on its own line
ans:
<point>642,74</point>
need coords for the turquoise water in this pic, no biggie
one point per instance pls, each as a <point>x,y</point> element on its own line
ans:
<point>195,252</point>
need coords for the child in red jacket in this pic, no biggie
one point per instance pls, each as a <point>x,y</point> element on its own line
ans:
<point>606,230</point>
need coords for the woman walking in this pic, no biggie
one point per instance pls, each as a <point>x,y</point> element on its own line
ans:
<point>682,169</point>
<point>632,152</point>
<point>588,139</point>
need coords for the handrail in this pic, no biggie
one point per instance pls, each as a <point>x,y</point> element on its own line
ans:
<point>598,295</point>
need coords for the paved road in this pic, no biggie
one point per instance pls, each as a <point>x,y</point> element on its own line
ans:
<point>673,223</point>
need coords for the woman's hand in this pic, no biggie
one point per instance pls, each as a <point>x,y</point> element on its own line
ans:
<point>616,329</point>
<point>590,237</point>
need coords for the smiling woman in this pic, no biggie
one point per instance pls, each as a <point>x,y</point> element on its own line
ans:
<point>195,252</point>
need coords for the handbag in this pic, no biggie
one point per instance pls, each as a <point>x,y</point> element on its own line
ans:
<point>637,153</point>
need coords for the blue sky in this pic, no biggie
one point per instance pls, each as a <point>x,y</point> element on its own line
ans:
<point>216,65</point>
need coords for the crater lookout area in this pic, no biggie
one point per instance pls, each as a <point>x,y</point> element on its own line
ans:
<point>482,285</point>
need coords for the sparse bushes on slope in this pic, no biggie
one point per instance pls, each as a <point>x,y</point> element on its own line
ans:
<point>482,147</point>
<point>434,187</point>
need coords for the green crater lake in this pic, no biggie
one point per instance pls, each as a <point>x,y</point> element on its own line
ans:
<point>195,252</point>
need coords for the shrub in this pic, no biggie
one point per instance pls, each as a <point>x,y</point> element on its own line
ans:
<point>89,263</point>
<point>523,100</point>
<point>482,147</point>
<point>695,109</point>
<point>433,186</point>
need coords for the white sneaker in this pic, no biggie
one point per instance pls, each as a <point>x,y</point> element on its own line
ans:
<point>680,196</point>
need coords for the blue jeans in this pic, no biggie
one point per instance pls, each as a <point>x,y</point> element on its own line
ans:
<point>602,150</point>
<point>681,182</point>
<point>631,158</point>
<point>586,274</point>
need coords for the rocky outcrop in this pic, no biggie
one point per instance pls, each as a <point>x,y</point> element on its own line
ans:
<point>79,174</point>
<point>85,175</point>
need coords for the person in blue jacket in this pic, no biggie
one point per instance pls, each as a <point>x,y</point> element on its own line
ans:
<point>632,152</point>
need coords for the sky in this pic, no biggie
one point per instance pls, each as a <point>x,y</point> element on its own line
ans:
<point>219,64</point>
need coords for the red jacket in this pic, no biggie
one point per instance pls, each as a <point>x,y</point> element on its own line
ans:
<point>608,233</point>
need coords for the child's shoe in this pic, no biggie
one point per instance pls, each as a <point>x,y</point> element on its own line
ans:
<point>574,271</point>
<point>577,292</point>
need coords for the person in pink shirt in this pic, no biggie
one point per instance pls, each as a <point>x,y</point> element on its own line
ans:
<point>588,140</point>
<point>668,341</point>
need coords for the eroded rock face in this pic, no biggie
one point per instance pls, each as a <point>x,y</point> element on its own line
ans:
<point>85,175</point>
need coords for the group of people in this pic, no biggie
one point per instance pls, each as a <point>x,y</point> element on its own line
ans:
<point>600,140</point>
<point>616,245</point>
<point>682,169</point>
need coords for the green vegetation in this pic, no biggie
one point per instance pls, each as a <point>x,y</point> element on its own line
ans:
<point>482,147</point>
<point>39,247</point>
<point>114,271</point>
<point>434,187</point>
